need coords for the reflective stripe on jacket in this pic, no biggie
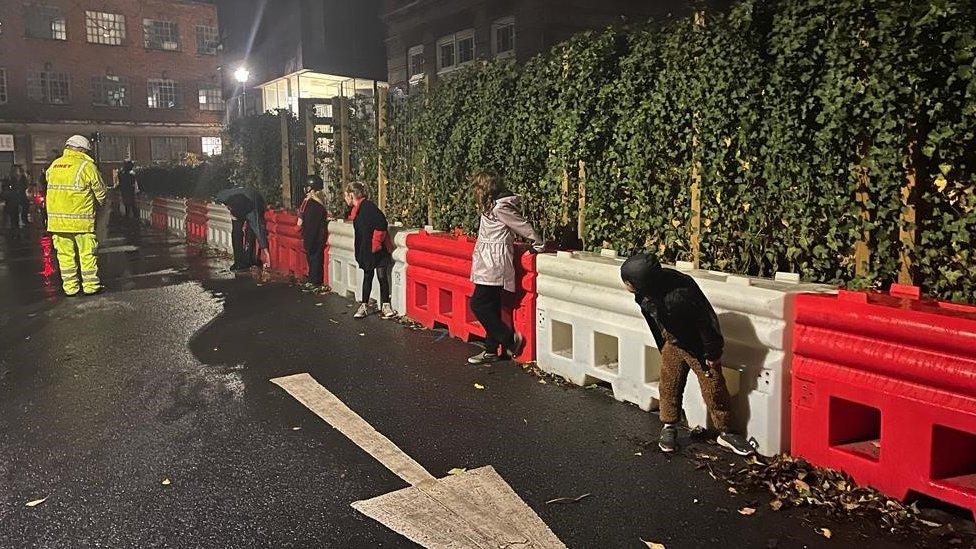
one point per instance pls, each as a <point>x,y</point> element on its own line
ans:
<point>74,189</point>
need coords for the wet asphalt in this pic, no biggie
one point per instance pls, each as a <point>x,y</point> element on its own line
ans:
<point>146,418</point>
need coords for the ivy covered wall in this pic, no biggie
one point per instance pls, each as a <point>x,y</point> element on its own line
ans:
<point>804,122</point>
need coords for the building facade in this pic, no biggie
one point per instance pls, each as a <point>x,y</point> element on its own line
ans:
<point>300,49</point>
<point>142,73</point>
<point>431,38</point>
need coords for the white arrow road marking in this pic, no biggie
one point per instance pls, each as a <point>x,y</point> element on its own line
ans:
<point>475,509</point>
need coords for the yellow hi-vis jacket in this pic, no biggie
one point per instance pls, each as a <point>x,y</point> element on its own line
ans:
<point>74,190</point>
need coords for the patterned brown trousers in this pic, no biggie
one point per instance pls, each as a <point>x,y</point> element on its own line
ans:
<point>675,363</point>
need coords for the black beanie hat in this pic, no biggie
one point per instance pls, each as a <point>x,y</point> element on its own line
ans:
<point>640,270</point>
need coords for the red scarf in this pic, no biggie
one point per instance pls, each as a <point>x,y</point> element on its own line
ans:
<point>355,209</point>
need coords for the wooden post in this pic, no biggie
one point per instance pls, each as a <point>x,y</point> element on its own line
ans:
<point>565,198</point>
<point>906,228</point>
<point>581,214</point>
<point>862,249</point>
<point>695,191</point>
<point>381,183</point>
<point>344,138</point>
<point>285,160</point>
<point>310,141</point>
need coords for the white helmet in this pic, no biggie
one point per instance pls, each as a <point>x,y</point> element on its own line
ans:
<point>78,141</point>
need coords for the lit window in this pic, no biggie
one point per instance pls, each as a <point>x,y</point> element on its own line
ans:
<point>503,37</point>
<point>104,28</point>
<point>212,146</point>
<point>207,40</point>
<point>455,50</point>
<point>114,148</point>
<point>163,94</point>
<point>415,61</point>
<point>110,91</point>
<point>167,149</point>
<point>160,35</point>
<point>53,88</point>
<point>46,22</point>
<point>3,86</point>
<point>211,99</point>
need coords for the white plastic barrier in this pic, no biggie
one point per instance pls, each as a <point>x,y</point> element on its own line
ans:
<point>345,276</point>
<point>590,329</point>
<point>175,209</point>
<point>219,226</point>
<point>144,205</point>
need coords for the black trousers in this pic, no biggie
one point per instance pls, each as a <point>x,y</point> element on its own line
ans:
<point>129,202</point>
<point>486,304</point>
<point>25,211</point>
<point>316,257</point>
<point>243,243</point>
<point>383,275</point>
<point>12,212</point>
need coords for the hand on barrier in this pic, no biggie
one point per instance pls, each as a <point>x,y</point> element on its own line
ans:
<point>265,258</point>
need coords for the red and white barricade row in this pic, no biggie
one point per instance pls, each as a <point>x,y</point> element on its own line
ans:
<point>170,214</point>
<point>144,204</point>
<point>591,330</point>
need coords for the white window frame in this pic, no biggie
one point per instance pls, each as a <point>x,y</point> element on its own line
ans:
<point>3,86</point>
<point>155,101</point>
<point>52,17</point>
<point>46,82</point>
<point>156,41</point>
<point>208,39</point>
<point>497,26</point>
<point>106,28</point>
<point>453,39</point>
<point>211,146</point>
<point>101,86</point>
<point>157,144</point>
<point>111,144</point>
<point>210,98</point>
<point>411,53</point>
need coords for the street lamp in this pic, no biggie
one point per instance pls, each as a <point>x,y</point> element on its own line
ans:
<point>241,75</point>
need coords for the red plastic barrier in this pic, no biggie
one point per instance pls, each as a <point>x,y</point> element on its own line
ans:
<point>884,388</point>
<point>157,215</point>
<point>285,243</point>
<point>439,288</point>
<point>196,221</point>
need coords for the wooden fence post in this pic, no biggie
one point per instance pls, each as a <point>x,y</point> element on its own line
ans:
<point>862,249</point>
<point>344,138</point>
<point>695,191</point>
<point>906,228</point>
<point>381,183</point>
<point>285,159</point>
<point>581,214</point>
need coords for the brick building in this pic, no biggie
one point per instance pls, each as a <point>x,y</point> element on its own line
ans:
<point>143,73</point>
<point>430,38</point>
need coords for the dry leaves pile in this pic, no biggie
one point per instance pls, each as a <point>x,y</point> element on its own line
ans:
<point>793,482</point>
<point>533,369</point>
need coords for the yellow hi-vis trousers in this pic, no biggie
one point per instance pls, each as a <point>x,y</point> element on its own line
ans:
<point>86,247</point>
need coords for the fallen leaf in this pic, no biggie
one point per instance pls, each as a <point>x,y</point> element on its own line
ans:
<point>801,486</point>
<point>929,523</point>
<point>216,348</point>
<point>542,381</point>
<point>479,386</point>
<point>36,502</point>
<point>747,511</point>
<point>776,505</point>
<point>333,321</point>
<point>318,304</point>
<point>296,428</point>
<point>825,532</point>
<point>166,482</point>
<point>638,453</point>
<point>568,500</point>
<point>362,334</point>
<point>732,490</point>
<point>653,545</point>
<point>457,471</point>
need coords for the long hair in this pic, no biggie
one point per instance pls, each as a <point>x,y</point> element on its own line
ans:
<point>487,187</point>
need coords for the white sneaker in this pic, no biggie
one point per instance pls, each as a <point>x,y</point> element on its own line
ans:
<point>387,312</point>
<point>364,311</point>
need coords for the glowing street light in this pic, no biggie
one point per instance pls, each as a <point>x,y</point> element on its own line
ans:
<point>241,75</point>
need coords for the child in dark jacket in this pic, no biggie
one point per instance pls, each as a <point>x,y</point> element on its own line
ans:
<point>688,335</point>
<point>312,219</point>
<point>372,249</point>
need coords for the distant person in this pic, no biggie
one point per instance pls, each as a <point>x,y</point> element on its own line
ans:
<point>21,182</point>
<point>75,191</point>
<point>493,263</point>
<point>247,210</point>
<point>372,249</point>
<point>11,203</point>
<point>127,189</point>
<point>688,335</point>
<point>312,219</point>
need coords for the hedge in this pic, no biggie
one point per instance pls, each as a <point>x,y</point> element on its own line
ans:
<point>803,119</point>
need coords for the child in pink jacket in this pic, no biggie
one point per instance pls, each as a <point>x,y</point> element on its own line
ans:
<point>493,263</point>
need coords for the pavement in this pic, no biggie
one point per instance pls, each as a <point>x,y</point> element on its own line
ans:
<point>146,418</point>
